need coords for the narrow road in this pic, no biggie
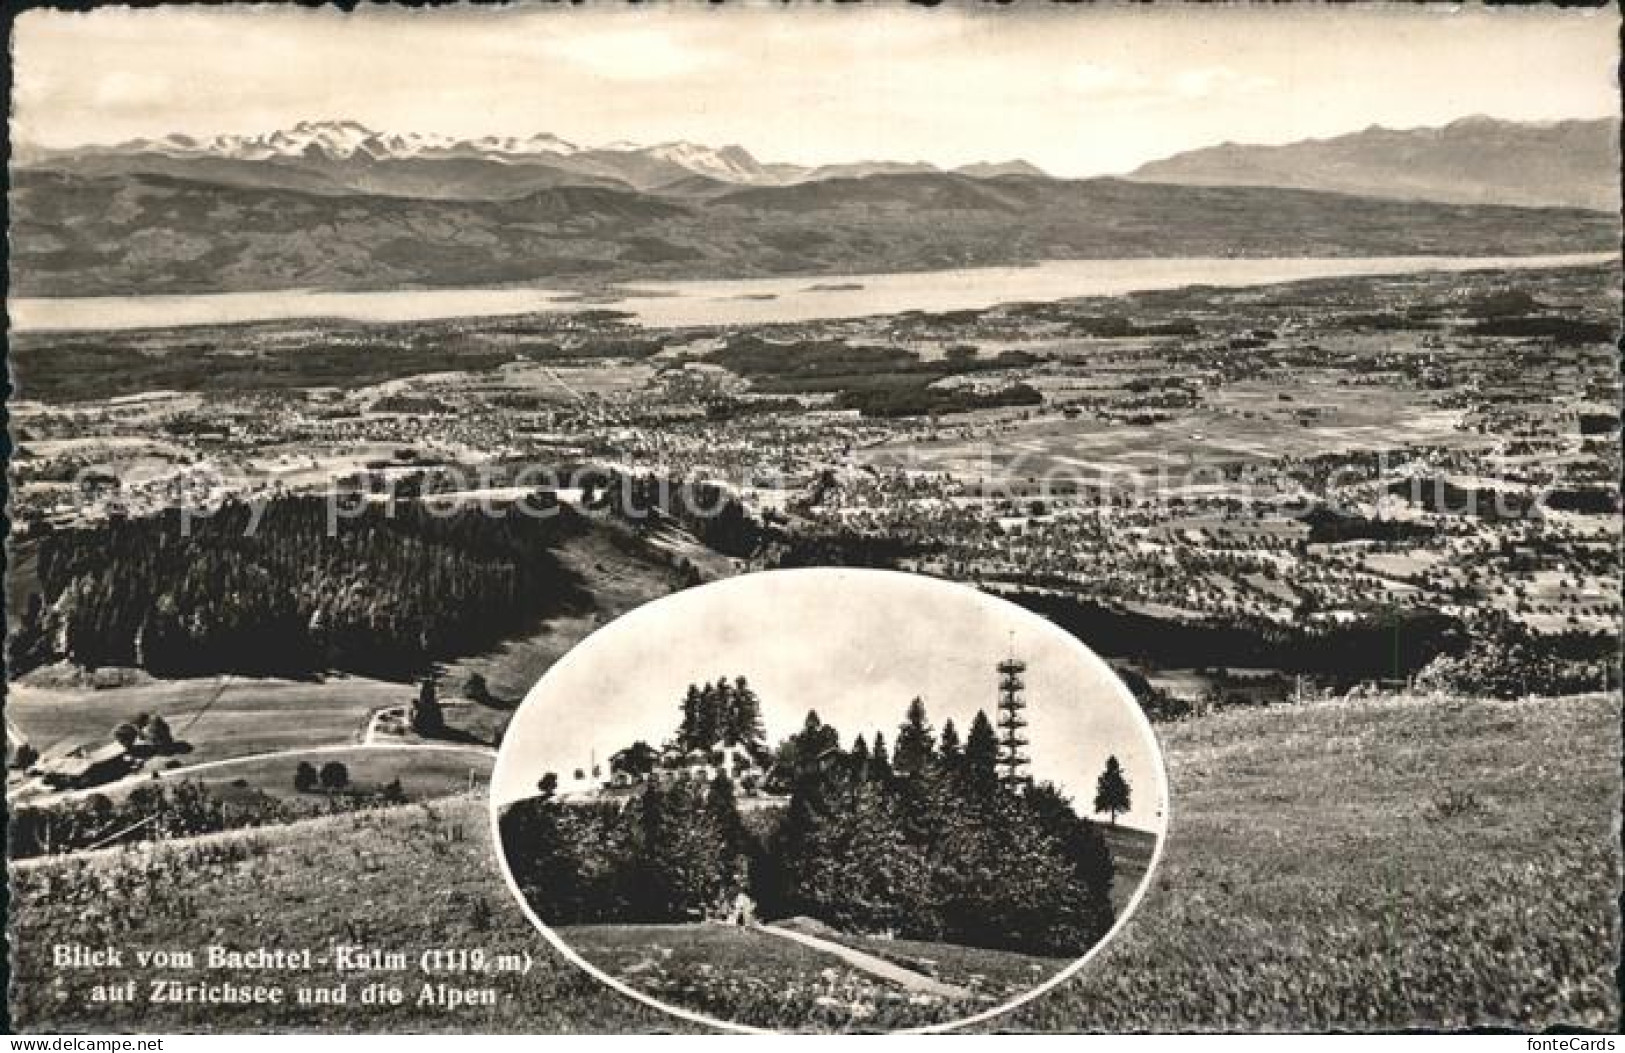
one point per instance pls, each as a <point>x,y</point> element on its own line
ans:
<point>872,965</point>
<point>145,775</point>
<point>369,736</point>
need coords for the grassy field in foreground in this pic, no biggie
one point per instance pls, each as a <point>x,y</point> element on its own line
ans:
<point>758,980</point>
<point>1380,865</point>
<point>998,975</point>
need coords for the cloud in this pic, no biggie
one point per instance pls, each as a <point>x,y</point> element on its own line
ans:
<point>1214,81</point>
<point>636,53</point>
<point>1089,78</point>
<point>121,90</point>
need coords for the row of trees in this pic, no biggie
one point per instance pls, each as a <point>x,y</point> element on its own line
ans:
<point>1382,643</point>
<point>380,590</point>
<point>162,810</point>
<point>724,711</point>
<point>150,812</point>
<point>920,840</point>
<point>332,776</point>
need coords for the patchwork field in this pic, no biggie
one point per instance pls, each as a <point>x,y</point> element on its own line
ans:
<point>1244,422</point>
<point>1366,865</point>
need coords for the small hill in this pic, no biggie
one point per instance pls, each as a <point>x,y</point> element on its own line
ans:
<point>994,169</point>
<point>1477,160</point>
<point>912,190</point>
<point>860,169</point>
<point>696,187</point>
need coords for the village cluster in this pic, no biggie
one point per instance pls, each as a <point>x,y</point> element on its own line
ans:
<point>1287,455</point>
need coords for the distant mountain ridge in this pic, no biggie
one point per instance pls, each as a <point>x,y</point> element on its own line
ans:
<point>331,155</point>
<point>1475,160</point>
<point>117,233</point>
<point>334,204</point>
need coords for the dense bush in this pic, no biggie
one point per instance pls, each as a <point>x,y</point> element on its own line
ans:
<point>1506,660</point>
<point>674,854</point>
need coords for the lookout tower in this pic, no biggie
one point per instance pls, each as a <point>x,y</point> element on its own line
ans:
<point>1012,760</point>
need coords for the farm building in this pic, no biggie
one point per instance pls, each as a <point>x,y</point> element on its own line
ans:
<point>746,766</point>
<point>85,765</point>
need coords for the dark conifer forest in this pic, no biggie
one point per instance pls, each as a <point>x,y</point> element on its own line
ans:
<point>381,590</point>
<point>925,844</point>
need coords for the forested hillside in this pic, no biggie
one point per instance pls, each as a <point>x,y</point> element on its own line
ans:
<point>380,590</point>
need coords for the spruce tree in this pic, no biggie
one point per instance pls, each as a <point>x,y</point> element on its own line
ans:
<point>706,717</point>
<point>717,715</point>
<point>860,757</point>
<point>1112,794</point>
<point>948,748</point>
<point>688,732</point>
<point>879,759</point>
<point>982,753</point>
<point>916,742</point>
<point>426,716</point>
<point>159,735</point>
<point>742,720</point>
<point>722,810</point>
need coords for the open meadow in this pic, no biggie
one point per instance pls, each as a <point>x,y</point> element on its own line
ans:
<point>1382,864</point>
<point>424,772</point>
<point>219,717</point>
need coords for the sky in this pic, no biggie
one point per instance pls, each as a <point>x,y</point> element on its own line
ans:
<point>855,645</point>
<point>1078,90</point>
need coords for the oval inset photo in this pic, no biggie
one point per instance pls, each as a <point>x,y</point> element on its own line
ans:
<point>829,800</point>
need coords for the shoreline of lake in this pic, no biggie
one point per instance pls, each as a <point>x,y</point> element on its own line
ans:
<point>745,301</point>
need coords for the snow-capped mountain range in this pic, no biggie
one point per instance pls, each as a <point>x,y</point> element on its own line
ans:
<point>340,141</point>
<point>352,143</point>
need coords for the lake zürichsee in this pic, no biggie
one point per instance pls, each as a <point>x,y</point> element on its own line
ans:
<point>744,301</point>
